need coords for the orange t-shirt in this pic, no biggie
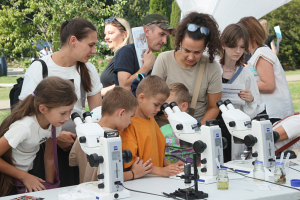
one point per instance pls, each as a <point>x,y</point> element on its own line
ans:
<point>145,140</point>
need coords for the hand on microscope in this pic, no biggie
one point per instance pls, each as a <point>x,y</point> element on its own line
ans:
<point>65,140</point>
<point>246,95</point>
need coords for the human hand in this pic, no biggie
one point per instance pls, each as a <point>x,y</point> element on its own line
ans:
<point>179,163</point>
<point>65,140</point>
<point>141,168</point>
<point>279,40</point>
<point>171,170</point>
<point>148,59</point>
<point>33,183</point>
<point>246,95</point>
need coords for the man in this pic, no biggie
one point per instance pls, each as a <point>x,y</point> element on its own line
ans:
<point>126,68</point>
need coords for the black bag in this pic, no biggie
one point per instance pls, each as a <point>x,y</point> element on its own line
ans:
<point>16,90</point>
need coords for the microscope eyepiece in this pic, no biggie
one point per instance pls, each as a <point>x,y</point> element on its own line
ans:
<point>86,114</point>
<point>74,115</point>
<point>164,106</point>
<point>219,103</point>
<point>226,102</point>
<point>173,104</point>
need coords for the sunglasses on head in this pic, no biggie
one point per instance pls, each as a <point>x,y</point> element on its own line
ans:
<point>194,27</point>
<point>110,20</point>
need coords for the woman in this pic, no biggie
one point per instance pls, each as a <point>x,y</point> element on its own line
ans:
<point>235,42</point>
<point>78,38</point>
<point>117,34</point>
<point>195,32</point>
<point>275,94</point>
<point>270,41</point>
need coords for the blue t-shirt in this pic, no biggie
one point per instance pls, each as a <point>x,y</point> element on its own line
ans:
<point>126,60</point>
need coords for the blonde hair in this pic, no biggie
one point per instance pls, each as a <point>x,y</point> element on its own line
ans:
<point>181,92</point>
<point>128,39</point>
<point>265,25</point>
<point>152,85</point>
<point>118,98</point>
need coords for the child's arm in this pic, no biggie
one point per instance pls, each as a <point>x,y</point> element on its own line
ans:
<point>31,182</point>
<point>139,169</point>
<point>169,169</point>
<point>49,161</point>
<point>178,163</point>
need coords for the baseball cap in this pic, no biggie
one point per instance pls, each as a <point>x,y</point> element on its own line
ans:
<point>159,20</point>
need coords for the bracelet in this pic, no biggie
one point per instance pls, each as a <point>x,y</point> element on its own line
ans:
<point>132,174</point>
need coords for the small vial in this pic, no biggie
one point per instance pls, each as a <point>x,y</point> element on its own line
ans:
<point>222,179</point>
<point>258,171</point>
<point>279,173</point>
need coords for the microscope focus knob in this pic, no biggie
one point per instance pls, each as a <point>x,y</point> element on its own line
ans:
<point>82,139</point>
<point>127,156</point>
<point>203,169</point>
<point>232,124</point>
<point>276,136</point>
<point>179,127</point>
<point>250,140</point>
<point>225,143</point>
<point>254,155</point>
<point>101,185</point>
<point>203,161</point>
<point>199,146</point>
<point>95,160</point>
<point>101,176</point>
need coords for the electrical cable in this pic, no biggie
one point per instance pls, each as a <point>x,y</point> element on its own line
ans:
<point>260,179</point>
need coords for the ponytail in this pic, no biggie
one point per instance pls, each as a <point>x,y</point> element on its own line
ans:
<point>85,76</point>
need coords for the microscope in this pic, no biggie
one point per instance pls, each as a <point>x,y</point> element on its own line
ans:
<point>208,142</point>
<point>257,133</point>
<point>103,148</point>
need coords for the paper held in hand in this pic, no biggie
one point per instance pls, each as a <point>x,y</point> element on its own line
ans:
<point>277,31</point>
<point>231,92</point>
<point>140,42</point>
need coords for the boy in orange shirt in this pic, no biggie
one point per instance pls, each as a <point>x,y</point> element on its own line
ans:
<point>118,107</point>
<point>143,136</point>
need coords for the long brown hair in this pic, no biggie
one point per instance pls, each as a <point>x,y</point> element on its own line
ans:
<point>230,38</point>
<point>80,28</point>
<point>52,92</point>
<point>212,41</point>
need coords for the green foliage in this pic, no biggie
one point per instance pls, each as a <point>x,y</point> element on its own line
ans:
<point>25,22</point>
<point>159,6</point>
<point>287,17</point>
<point>174,20</point>
<point>135,11</point>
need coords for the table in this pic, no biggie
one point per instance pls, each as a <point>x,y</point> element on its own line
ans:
<point>245,189</point>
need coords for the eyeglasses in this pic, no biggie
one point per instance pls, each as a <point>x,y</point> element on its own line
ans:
<point>194,27</point>
<point>110,20</point>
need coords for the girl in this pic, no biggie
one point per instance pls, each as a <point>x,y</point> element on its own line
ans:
<point>78,38</point>
<point>29,125</point>
<point>234,40</point>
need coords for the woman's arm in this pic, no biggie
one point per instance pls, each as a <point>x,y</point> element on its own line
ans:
<point>94,101</point>
<point>274,48</point>
<point>49,161</point>
<point>104,90</point>
<point>282,133</point>
<point>212,108</point>
<point>265,71</point>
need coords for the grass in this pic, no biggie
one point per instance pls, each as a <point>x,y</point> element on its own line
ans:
<point>9,79</point>
<point>292,72</point>
<point>3,115</point>
<point>295,92</point>
<point>4,93</point>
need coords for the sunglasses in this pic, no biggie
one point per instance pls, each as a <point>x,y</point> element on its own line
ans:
<point>194,27</point>
<point>110,20</point>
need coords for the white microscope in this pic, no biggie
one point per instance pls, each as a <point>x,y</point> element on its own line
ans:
<point>103,148</point>
<point>257,133</point>
<point>209,142</point>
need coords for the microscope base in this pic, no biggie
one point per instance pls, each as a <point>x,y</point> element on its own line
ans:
<point>182,193</point>
<point>92,187</point>
<point>207,179</point>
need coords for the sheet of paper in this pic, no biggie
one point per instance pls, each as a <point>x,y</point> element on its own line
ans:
<point>231,91</point>
<point>140,42</point>
<point>277,31</point>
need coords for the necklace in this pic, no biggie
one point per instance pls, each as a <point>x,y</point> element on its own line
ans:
<point>228,70</point>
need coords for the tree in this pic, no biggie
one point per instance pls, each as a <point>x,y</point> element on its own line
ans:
<point>135,11</point>
<point>174,20</point>
<point>27,22</point>
<point>287,17</point>
<point>159,6</point>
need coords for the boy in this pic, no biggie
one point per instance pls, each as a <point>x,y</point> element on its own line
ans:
<point>174,153</point>
<point>118,107</point>
<point>143,136</point>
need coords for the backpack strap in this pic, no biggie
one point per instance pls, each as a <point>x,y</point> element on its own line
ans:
<point>236,74</point>
<point>44,69</point>
<point>55,152</point>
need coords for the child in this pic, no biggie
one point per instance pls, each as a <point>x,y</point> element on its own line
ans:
<point>118,107</point>
<point>235,40</point>
<point>174,153</point>
<point>27,127</point>
<point>143,136</point>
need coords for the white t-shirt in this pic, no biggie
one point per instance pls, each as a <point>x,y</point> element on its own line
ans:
<point>279,103</point>
<point>33,77</point>
<point>25,137</point>
<point>291,125</point>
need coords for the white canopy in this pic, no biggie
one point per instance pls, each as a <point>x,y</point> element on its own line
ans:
<point>227,12</point>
